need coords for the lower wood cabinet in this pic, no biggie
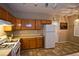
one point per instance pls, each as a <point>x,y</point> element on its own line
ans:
<point>24,43</point>
<point>39,42</point>
<point>28,43</point>
<point>32,43</point>
<point>38,25</point>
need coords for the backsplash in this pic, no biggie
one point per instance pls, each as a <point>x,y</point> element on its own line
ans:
<point>23,33</point>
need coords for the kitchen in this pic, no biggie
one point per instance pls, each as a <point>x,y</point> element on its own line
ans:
<point>39,29</point>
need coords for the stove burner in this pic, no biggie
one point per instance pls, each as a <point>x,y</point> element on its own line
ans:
<point>3,46</point>
<point>6,46</point>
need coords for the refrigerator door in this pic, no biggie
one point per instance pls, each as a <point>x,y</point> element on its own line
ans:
<point>50,39</point>
<point>49,27</point>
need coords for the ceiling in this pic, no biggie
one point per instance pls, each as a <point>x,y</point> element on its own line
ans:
<point>44,8</point>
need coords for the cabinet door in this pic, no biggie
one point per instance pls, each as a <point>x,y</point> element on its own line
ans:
<point>39,42</point>
<point>14,23</point>
<point>38,25</point>
<point>18,24</point>
<point>5,15</point>
<point>32,43</point>
<point>28,24</point>
<point>46,21</point>
<point>8,17</point>
<point>25,43</point>
<point>2,13</point>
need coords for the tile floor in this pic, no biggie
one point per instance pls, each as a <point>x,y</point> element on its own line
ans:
<point>60,50</point>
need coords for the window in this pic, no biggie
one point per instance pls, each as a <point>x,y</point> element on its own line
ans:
<point>76,27</point>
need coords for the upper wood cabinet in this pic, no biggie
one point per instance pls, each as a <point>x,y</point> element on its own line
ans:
<point>17,24</point>
<point>23,24</point>
<point>46,21</point>
<point>5,15</point>
<point>38,25</point>
<point>2,13</point>
<point>8,17</point>
<point>28,24</point>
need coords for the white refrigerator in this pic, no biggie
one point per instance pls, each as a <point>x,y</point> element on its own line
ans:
<point>51,35</point>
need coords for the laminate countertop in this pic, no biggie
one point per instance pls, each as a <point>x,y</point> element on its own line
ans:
<point>4,52</point>
<point>19,37</point>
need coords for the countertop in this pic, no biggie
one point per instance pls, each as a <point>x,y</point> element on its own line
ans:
<point>5,52</point>
<point>31,36</point>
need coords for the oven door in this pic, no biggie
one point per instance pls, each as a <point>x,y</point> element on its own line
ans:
<point>16,49</point>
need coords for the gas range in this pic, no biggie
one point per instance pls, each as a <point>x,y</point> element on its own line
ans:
<point>6,46</point>
<point>13,45</point>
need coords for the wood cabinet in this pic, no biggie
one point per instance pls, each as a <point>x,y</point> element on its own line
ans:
<point>27,43</point>
<point>2,13</point>
<point>5,15</point>
<point>32,43</point>
<point>38,25</point>
<point>46,21</point>
<point>35,42</point>
<point>28,24</point>
<point>23,24</point>
<point>24,43</point>
<point>8,17</point>
<point>17,24</point>
<point>39,42</point>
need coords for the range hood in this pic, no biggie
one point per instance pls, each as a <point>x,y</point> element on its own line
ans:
<point>5,23</point>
